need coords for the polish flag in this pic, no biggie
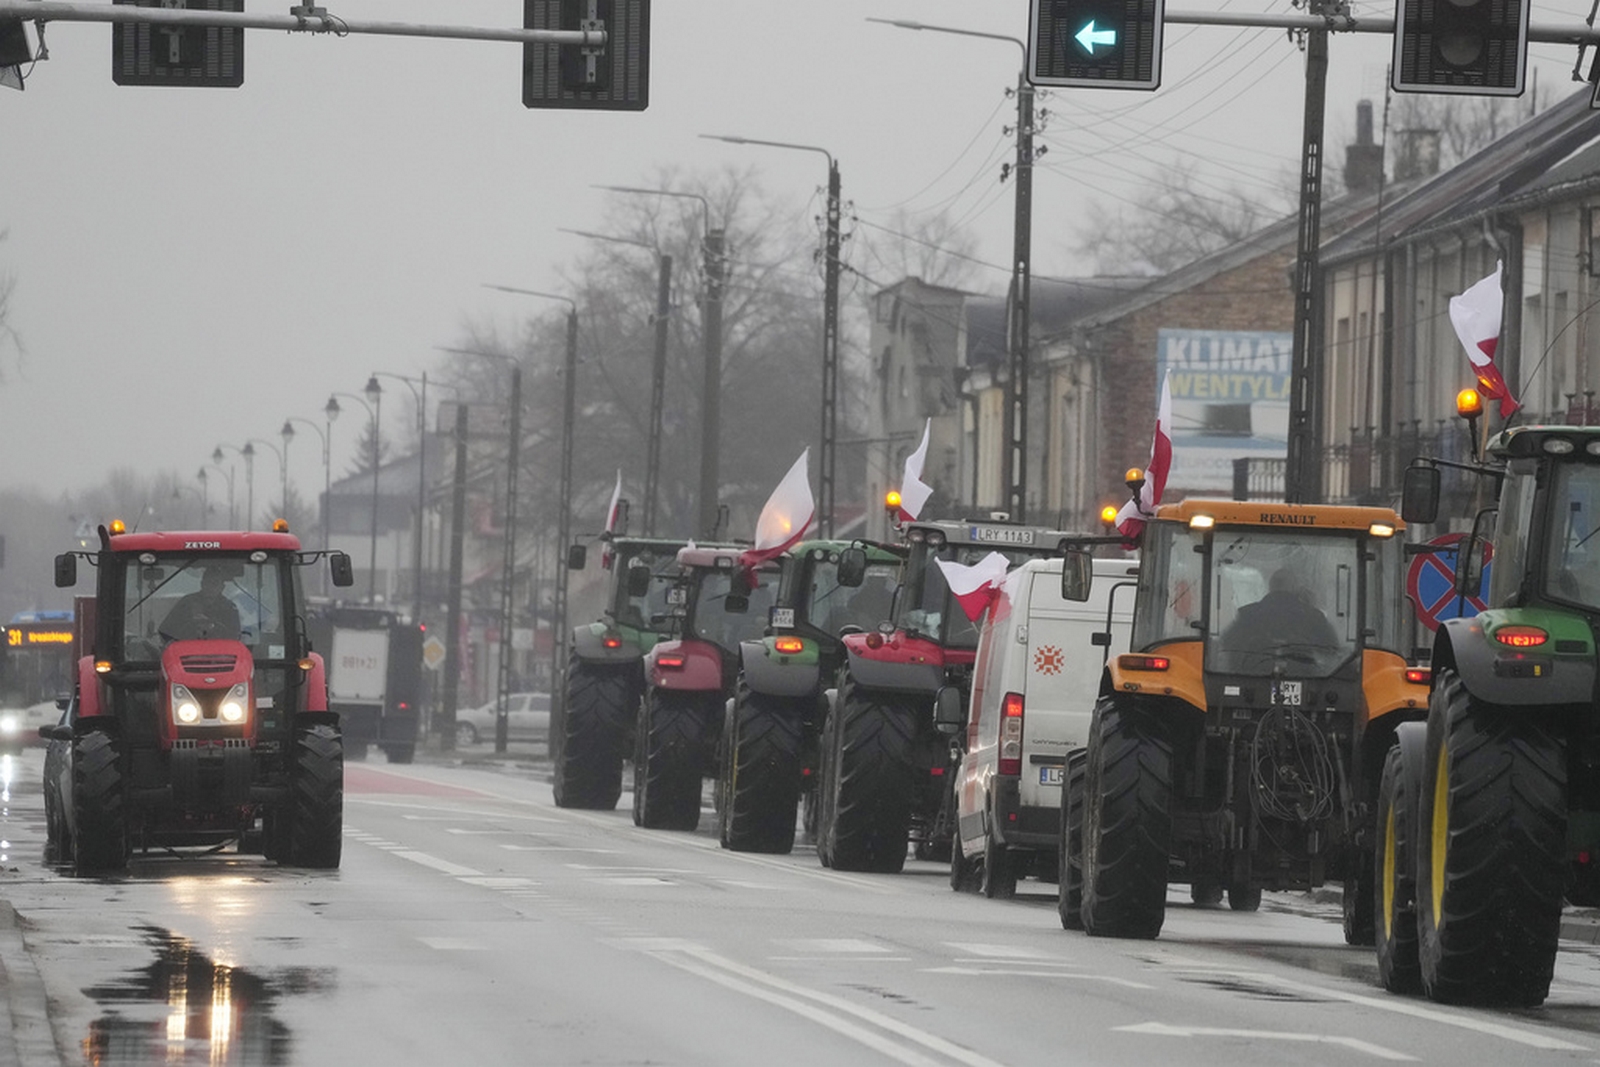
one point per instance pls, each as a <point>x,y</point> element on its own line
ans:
<point>785,517</point>
<point>914,492</point>
<point>606,555</point>
<point>1476,316</point>
<point>975,587</point>
<point>1131,519</point>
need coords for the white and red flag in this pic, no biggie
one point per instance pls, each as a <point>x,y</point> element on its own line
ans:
<point>975,586</point>
<point>1131,519</point>
<point>785,517</point>
<point>914,492</point>
<point>1476,316</point>
<point>606,555</point>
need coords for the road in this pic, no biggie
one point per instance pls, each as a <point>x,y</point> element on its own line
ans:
<point>474,922</point>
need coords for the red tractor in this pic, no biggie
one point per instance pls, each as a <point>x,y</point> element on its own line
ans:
<point>200,713</point>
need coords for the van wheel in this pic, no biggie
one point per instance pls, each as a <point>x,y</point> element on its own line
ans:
<point>964,876</point>
<point>873,776</point>
<point>1127,826</point>
<point>999,871</point>
<point>1069,852</point>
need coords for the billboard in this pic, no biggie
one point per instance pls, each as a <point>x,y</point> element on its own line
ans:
<point>1230,399</point>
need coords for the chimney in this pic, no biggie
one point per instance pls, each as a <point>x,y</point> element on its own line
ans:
<point>1419,155</point>
<point>1363,161</point>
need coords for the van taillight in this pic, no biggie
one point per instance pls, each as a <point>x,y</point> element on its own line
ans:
<point>1011,734</point>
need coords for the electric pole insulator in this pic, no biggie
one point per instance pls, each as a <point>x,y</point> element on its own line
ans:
<point>1105,44</point>
<point>1474,47</point>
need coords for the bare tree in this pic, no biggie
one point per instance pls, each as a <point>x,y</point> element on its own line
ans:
<point>930,247</point>
<point>9,338</point>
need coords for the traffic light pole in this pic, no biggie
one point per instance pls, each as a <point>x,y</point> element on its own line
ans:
<point>1015,468</point>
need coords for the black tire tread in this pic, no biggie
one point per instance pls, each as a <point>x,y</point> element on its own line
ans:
<point>1127,823</point>
<point>99,804</point>
<point>763,798</point>
<point>1395,934</point>
<point>670,757</point>
<point>315,836</point>
<point>600,705</point>
<point>874,780</point>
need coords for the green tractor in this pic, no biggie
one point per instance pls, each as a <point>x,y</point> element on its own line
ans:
<point>1489,815</point>
<point>769,747</point>
<point>591,731</point>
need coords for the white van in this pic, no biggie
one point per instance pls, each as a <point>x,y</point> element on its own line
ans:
<point>1034,686</point>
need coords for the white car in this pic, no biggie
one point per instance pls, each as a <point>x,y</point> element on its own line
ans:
<point>527,719</point>
<point>19,727</point>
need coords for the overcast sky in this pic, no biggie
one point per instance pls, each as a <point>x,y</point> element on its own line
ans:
<point>194,265</point>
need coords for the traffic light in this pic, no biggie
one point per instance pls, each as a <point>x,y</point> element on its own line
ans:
<point>1479,47</point>
<point>615,77</point>
<point>145,54</point>
<point>1106,44</point>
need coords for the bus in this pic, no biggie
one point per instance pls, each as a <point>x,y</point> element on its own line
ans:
<point>36,667</point>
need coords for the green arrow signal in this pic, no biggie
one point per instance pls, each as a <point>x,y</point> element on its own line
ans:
<point>1088,37</point>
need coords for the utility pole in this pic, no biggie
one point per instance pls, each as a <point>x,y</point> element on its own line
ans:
<point>658,397</point>
<point>558,624</point>
<point>830,357</point>
<point>1014,469</point>
<point>509,565</point>
<point>1302,469</point>
<point>452,629</point>
<point>711,394</point>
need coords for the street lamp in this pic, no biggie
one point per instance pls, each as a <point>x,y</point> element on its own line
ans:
<point>205,498</point>
<point>372,555</point>
<point>1014,465</point>
<point>558,622</point>
<point>830,327</point>
<point>711,326</point>
<point>658,374</point>
<point>283,469</point>
<point>216,461</point>
<point>287,433</point>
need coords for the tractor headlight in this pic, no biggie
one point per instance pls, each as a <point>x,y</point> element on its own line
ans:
<point>185,708</point>
<point>233,708</point>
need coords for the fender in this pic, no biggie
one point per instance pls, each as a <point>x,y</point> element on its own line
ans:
<point>1497,674</point>
<point>1184,678</point>
<point>1386,689</point>
<point>91,698</point>
<point>588,643</point>
<point>907,664</point>
<point>701,670</point>
<point>316,687</point>
<point>1412,737</point>
<point>774,673</point>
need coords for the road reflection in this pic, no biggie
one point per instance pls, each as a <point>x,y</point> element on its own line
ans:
<point>186,1007</point>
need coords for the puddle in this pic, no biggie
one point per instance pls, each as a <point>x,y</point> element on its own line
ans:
<point>186,1007</point>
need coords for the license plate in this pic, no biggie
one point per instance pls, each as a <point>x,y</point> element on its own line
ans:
<point>1050,775</point>
<point>783,618</point>
<point>1002,535</point>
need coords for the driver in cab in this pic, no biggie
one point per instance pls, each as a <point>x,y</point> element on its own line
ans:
<point>206,614</point>
<point>1285,616</point>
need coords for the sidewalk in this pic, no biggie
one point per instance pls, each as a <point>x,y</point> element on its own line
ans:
<point>27,1040</point>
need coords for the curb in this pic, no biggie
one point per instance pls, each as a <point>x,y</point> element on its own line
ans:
<point>1581,925</point>
<point>24,1009</point>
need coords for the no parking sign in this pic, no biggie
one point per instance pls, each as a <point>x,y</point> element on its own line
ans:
<point>1431,583</point>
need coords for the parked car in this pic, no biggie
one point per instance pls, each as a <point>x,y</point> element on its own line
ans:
<point>57,738</point>
<point>527,719</point>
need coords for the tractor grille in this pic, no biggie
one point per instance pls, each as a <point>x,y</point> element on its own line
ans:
<point>208,664</point>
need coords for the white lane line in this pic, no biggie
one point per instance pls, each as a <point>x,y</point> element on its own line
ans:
<point>1354,1044</point>
<point>454,944</point>
<point>1401,1006</point>
<point>1000,952</point>
<point>824,1009</point>
<point>1034,972</point>
<point>636,879</point>
<point>498,881</point>
<point>830,944</point>
<point>561,848</point>
<point>613,870</point>
<point>438,864</point>
<point>840,959</point>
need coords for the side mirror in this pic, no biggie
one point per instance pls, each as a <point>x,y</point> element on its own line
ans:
<point>1419,493</point>
<point>1077,575</point>
<point>852,566</point>
<point>55,732</point>
<point>949,711</point>
<point>344,575</point>
<point>577,556</point>
<point>66,570</point>
<point>638,577</point>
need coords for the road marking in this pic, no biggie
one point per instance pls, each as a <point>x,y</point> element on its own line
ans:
<point>840,959</point>
<point>561,848</point>
<point>497,881</point>
<point>1021,972</point>
<point>1401,1006</point>
<point>613,870</point>
<point>831,944</point>
<point>636,879</point>
<point>1001,952</point>
<point>454,944</point>
<point>439,864</point>
<point>1354,1044</point>
<point>824,1009</point>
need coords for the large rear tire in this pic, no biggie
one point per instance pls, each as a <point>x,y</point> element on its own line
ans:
<point>315,832</point>
<point>873,777</point>
<point>1127,826</point>
<point>762,795</point>
<point>600,706</point>
<point>100,844</point>
<point>1069,850</point>
<point>1492,850</point>
<point>1394,863</point>
<point>669,758</point>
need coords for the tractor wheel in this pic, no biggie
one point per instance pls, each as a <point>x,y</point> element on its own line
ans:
<point>1359,910</point>
<point>1243,897</point>
<point>763,757</point>
<point>1491,856</point>
<point>600,706</point>
<point>1127,823</point>
<point>669,757</point>
<point>1394,865</point>
<point>1069,849</point>
<point>873,779</point>
<point>315,833</point>
<point>1205,892</point>
<point>99,804</point>
<point>401,753</point>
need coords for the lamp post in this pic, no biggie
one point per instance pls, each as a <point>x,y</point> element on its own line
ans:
<point>287,433</point>
<point>1014,462</point>
<point>830,328</point>
<point>558,622</point>
<point>216,461</point>
<point>658,374</point>
<point>372,553</point>
<point>711,394</point>
<point>283,469</point>
<point>205,496</point>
